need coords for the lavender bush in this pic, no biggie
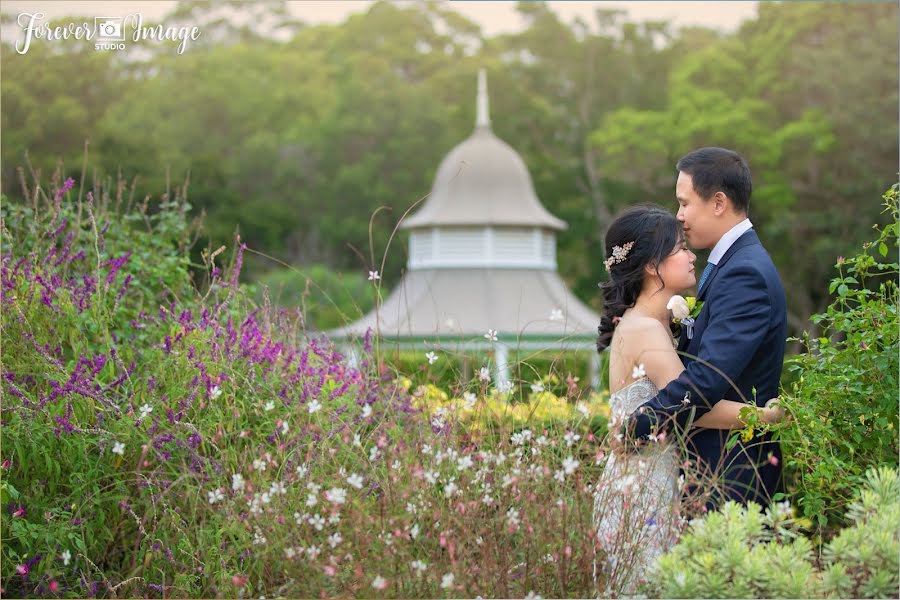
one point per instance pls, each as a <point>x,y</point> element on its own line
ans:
<point>160,441</point>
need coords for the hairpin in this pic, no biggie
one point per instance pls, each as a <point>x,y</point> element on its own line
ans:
<point>619,254</point>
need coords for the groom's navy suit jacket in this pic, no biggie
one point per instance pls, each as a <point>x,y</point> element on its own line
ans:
<point>737,347</point>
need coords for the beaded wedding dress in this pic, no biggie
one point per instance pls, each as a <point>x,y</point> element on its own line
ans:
<point>635,503</point>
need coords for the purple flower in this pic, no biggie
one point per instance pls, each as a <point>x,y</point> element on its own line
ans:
<point>69,183</point>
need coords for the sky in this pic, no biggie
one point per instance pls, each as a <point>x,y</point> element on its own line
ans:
<point>493,16</point>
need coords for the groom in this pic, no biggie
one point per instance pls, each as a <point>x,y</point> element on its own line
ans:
<point>738,341</point>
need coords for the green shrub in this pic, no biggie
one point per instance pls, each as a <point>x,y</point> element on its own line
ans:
<point>843,398</point>
<point>741,552</point>
<point>327,299</point>
<point>861,562</point>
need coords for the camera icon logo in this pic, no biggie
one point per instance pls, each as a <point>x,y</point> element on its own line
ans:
<point>109,28</point>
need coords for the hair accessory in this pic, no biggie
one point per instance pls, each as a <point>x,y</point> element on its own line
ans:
<point>619,254</point>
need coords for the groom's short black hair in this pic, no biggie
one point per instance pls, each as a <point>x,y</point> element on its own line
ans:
<point>719,170</point>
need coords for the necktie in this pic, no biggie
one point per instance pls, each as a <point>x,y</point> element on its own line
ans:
<point>705,275</point>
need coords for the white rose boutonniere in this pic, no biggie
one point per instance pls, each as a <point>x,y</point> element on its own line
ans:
<point>684,310</point>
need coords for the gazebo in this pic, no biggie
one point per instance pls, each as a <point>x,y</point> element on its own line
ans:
<point>482,258</point>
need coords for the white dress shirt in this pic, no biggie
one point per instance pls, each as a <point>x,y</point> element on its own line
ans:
<point>728,240</point>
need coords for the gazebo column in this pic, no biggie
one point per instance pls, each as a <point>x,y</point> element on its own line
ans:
<point>594,370</point>
<point>501,363</point>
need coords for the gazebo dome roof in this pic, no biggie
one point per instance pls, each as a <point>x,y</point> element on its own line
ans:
<point>483,181</point>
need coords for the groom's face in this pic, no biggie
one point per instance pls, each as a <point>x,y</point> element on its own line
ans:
<point>696,214</point>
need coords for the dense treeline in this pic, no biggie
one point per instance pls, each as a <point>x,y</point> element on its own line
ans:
<point>298,142</point>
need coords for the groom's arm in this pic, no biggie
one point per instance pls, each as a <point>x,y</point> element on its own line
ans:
<point>733,335</point>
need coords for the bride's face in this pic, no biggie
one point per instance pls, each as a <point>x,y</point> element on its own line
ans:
<point>677,270</point>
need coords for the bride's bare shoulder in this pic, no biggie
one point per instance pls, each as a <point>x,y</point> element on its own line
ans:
<point>641,330</point>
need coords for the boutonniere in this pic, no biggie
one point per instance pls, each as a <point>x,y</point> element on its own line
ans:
<point>685,311</point>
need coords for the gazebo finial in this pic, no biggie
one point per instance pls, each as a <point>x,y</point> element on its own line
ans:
<point>483,118</point>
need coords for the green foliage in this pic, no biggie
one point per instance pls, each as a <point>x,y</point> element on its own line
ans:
<point>861,561</point>
<point>327,299</point>
<point>844,396</point>
<point>741,552</point>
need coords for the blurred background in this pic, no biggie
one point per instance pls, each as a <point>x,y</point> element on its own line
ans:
<point>296,121</point>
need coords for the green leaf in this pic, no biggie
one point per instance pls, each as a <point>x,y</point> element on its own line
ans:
<point>883,249</point>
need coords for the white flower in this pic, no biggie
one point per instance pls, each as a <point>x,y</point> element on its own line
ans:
<point>335,539</point>
<point>379,583</point>
<point>215,392</point>
<point>484,374</point>
<point>419,566</point>
<point>357,441</point>
<point>569,465</point>
<point>317,521</point>
<point>276,488</point>
<point>512,515</point>
<point>237,482</point>
<point>66,557</point>
<point>259,465</point>
<point>301,470</point>
<point>470,399</point>
<point>559,475</point>
<point>521,437</point>
<point>464,463</point>
<point>537,387</point>
<point>532,596</point>
<point>487,499</point>
<point>679,307</point>
<point>146,409</point>
<point>638,371</point>
<point>313,551</point>
<point>414,531</point>
<point>556,315</point>
<point>680,579</point>
<point>284,427</point>
<point>431,477</point>
<point>374,276</point>
<point>505,386</point>
<point>311,500</point>
<point>336,495</point>
<point>366,411</point>
<point>447,581</point>
<point>215,496</point>
<point>583,409</point>
<point>334,519</point>
<point>450,489</point>
<point>356,481</point>
<point>289,553</point>
<point>119,448</point>
<point>491,335</point>
<point>269,406</point>
<point>314,406</point>
<point>374,454</point>
<point>432,358</point>
<point>571,437</point>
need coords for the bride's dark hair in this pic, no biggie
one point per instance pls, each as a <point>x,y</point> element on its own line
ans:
<point>654,231</point>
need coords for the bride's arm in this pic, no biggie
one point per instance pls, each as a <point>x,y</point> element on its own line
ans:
<point>725,414</point>
<point>662,365</point>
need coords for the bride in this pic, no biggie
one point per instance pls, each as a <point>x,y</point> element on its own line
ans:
<point>636,502</point>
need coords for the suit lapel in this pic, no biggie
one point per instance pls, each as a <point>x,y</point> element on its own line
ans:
<point>747,239</point>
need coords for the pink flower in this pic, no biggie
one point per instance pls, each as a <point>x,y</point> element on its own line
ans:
<point>773,460</point>
<point>22,570</point>
<point>239,580</point>
<point>54,586</point>
<point>330,570</point>
<point>380,583</point>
